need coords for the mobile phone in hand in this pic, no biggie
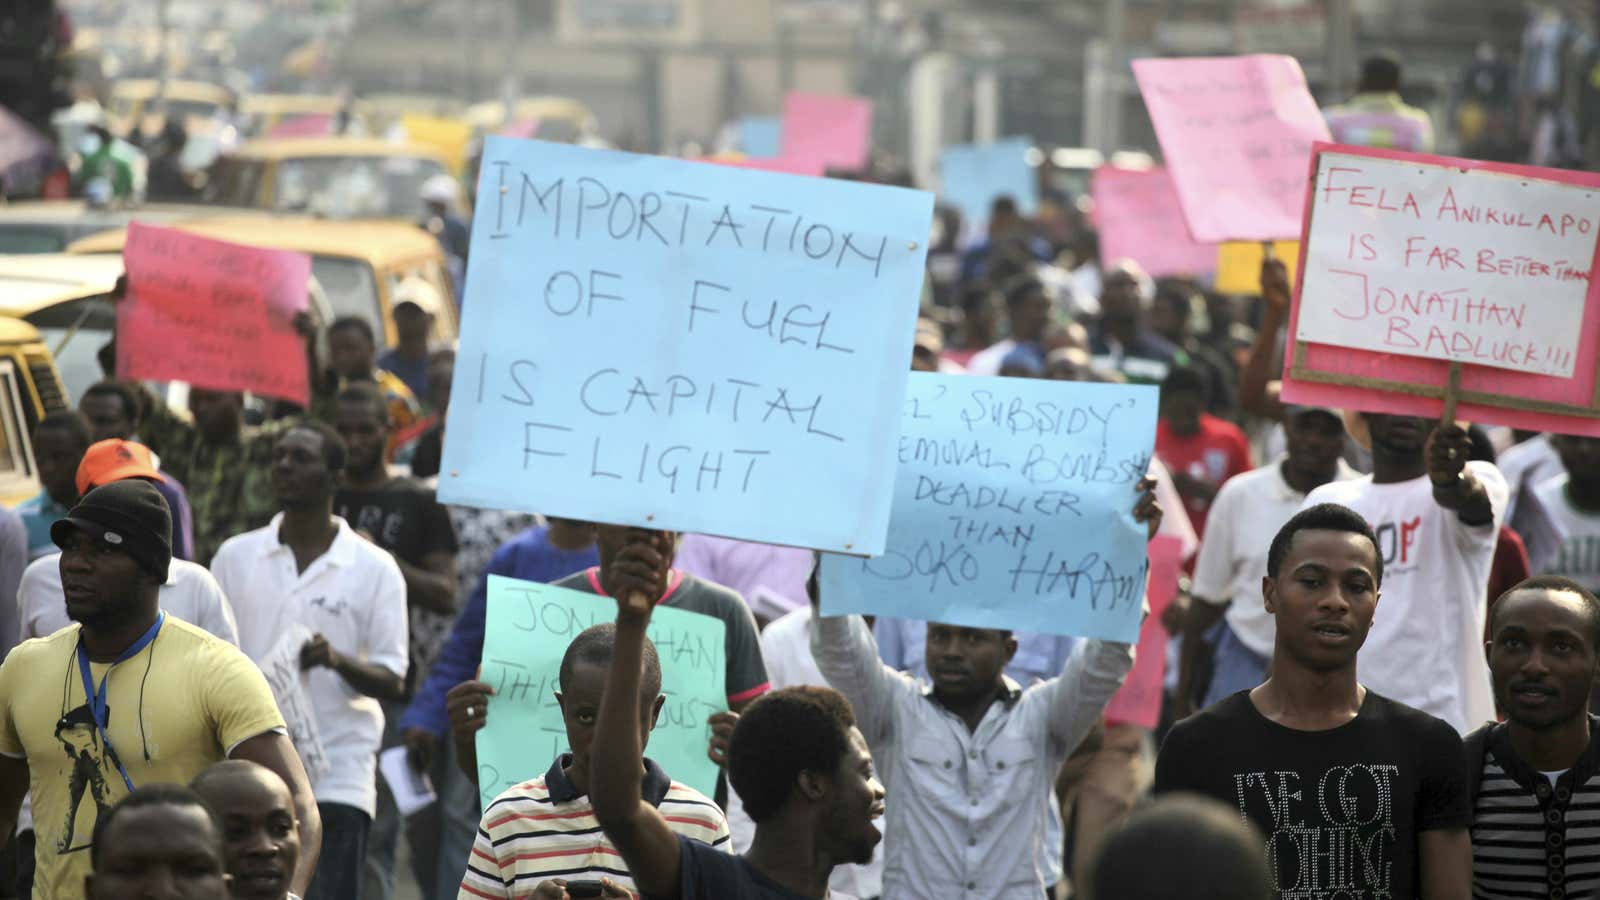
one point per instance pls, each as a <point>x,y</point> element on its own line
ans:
<point>581,889</point>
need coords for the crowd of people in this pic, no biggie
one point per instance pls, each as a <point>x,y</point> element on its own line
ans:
<point>1314,741</point>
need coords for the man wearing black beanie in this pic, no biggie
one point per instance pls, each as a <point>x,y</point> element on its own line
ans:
<point>128,695</point>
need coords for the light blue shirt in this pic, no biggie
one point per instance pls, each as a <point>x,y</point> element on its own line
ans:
<point>38,514</point>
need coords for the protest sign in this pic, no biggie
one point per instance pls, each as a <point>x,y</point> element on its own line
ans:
<point>281,666</point>
<point>835,132</point>
<point>1013,508</point>
<point>528,628</point>
<point>1139,218</point>
<point>309,125</point>
<point>214,314</point>
<point>1414,263</point>
<point>972,176</point>
<point>784,164</point>
<point>1138,701</point>
<point>759,136</point>
<point>667,344</point>
<point>1236,132</point>
<point>1239,265</point>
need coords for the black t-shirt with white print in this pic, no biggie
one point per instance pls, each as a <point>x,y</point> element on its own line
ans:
<point>1341,809</point>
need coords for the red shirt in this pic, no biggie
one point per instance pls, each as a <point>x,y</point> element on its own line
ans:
<point>1217,452</point>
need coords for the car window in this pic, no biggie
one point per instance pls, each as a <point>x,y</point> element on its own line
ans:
<point>354,187</point>
<point>33,238</point>
<point>235,182</point>
<point>351,288</point>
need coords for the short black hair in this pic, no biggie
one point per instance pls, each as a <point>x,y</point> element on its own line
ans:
<point>1322,517</point>
<point>366,392</point>
<point>1022,288</point>
<point>74,423</point>
<point>1003,205</point>
<point>159,794</point>
<point>594,645</point>
<point>1558,584</point>
<point>354,323</point>
<point>1194,834</point>
<point>1380,72</point>
<point>229,768</point>
<point>132,407</point>
<point>786,732</point>
<point>1183,379</point>
<point>334,452</point>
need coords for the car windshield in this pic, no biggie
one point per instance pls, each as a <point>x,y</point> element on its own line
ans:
<point>351,288</point>
<point>354,187</point>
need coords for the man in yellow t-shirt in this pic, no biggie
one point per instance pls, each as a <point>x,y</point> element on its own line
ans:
<point>127,697</point>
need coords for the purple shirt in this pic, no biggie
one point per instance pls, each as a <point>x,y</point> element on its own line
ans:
<point>744,567</point>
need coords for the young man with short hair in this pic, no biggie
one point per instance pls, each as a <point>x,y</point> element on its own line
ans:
<point>1202,451</point>
<point>59,442</point>
<point>260,840</point>
<point>1536,775</point>
<point>795,757</point>
<point>973,758</point>
<point>159,841</point>
<point>543,830</point>
<point>1358,795</point>
<point>138,697</point>
<point>353,358</point>
<point>309,568</point>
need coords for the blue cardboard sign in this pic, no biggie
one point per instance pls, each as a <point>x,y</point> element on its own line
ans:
<point>669,344</point>
<point>1013,508</point>
<point>971,176</point>
<point>528,628</point>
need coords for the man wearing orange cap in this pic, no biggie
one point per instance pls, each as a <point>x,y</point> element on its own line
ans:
<point>114,410</point>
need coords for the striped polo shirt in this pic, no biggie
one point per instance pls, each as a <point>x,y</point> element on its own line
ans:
<point>544,828</point>
<point>1531,838</point>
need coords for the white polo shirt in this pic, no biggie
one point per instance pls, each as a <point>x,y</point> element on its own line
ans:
<point>190,594</point>
<point>1245,517</point>
<point>354,596</point>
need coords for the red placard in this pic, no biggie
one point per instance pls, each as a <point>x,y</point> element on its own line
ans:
<point>1138,701</point>
<point>1139,218</point>
<point>217,315</point>
<point>1325,375</point>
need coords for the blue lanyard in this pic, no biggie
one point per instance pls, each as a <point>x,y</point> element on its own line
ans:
<point>98,700</point>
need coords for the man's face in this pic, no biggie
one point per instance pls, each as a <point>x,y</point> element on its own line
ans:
<point>856,800</point>
<point>580,710</point>
<point>412,323</point>
<point>1398,435</point>
<point>352,355</point>
<point>1030,317</point>
<point>1579,455</point>
<point>1119,301</point>
<point>108,417</point>
<point>57,453</point>
<point>1315,441</point>
<point>217,414</point>
<point>1181,409</point>
<point>965,663</point>
<point>1542,656</point>
<point>1169,317</point>
<point>261,838</point>
<point>1324,597</point>
<point>99,580</point>
<point>364,435</point>
<point>161,852</point>
<point>299,471</point>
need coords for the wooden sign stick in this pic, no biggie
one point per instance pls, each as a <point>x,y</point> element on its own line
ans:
<point>1452,394</point>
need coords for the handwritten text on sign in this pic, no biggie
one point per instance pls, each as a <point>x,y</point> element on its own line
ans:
<point>664,343</point>
<point>1013,509</point>
<point>214,314</point>
<point>1423,260</point>
<point>287,679</point>
<point>528,629</point>
<point>1236,132</point>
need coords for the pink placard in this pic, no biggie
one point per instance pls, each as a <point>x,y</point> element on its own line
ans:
<point>312,125</point>
<point>832,131</point>
<point>1139,218</point>
<point>214,314</point>
<point>1236,132</point>
<point>1579,390</point>
<point>1138,701</point>
<point>784,164</point>
<point>521,128</point>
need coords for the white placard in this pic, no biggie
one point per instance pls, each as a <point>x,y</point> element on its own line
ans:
<point>288,682</point>
<point>1465,265</point>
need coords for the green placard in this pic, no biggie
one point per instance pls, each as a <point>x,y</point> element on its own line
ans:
<point>528,628</point>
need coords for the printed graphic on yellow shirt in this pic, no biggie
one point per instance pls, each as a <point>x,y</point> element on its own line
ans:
<point>90,759</point>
